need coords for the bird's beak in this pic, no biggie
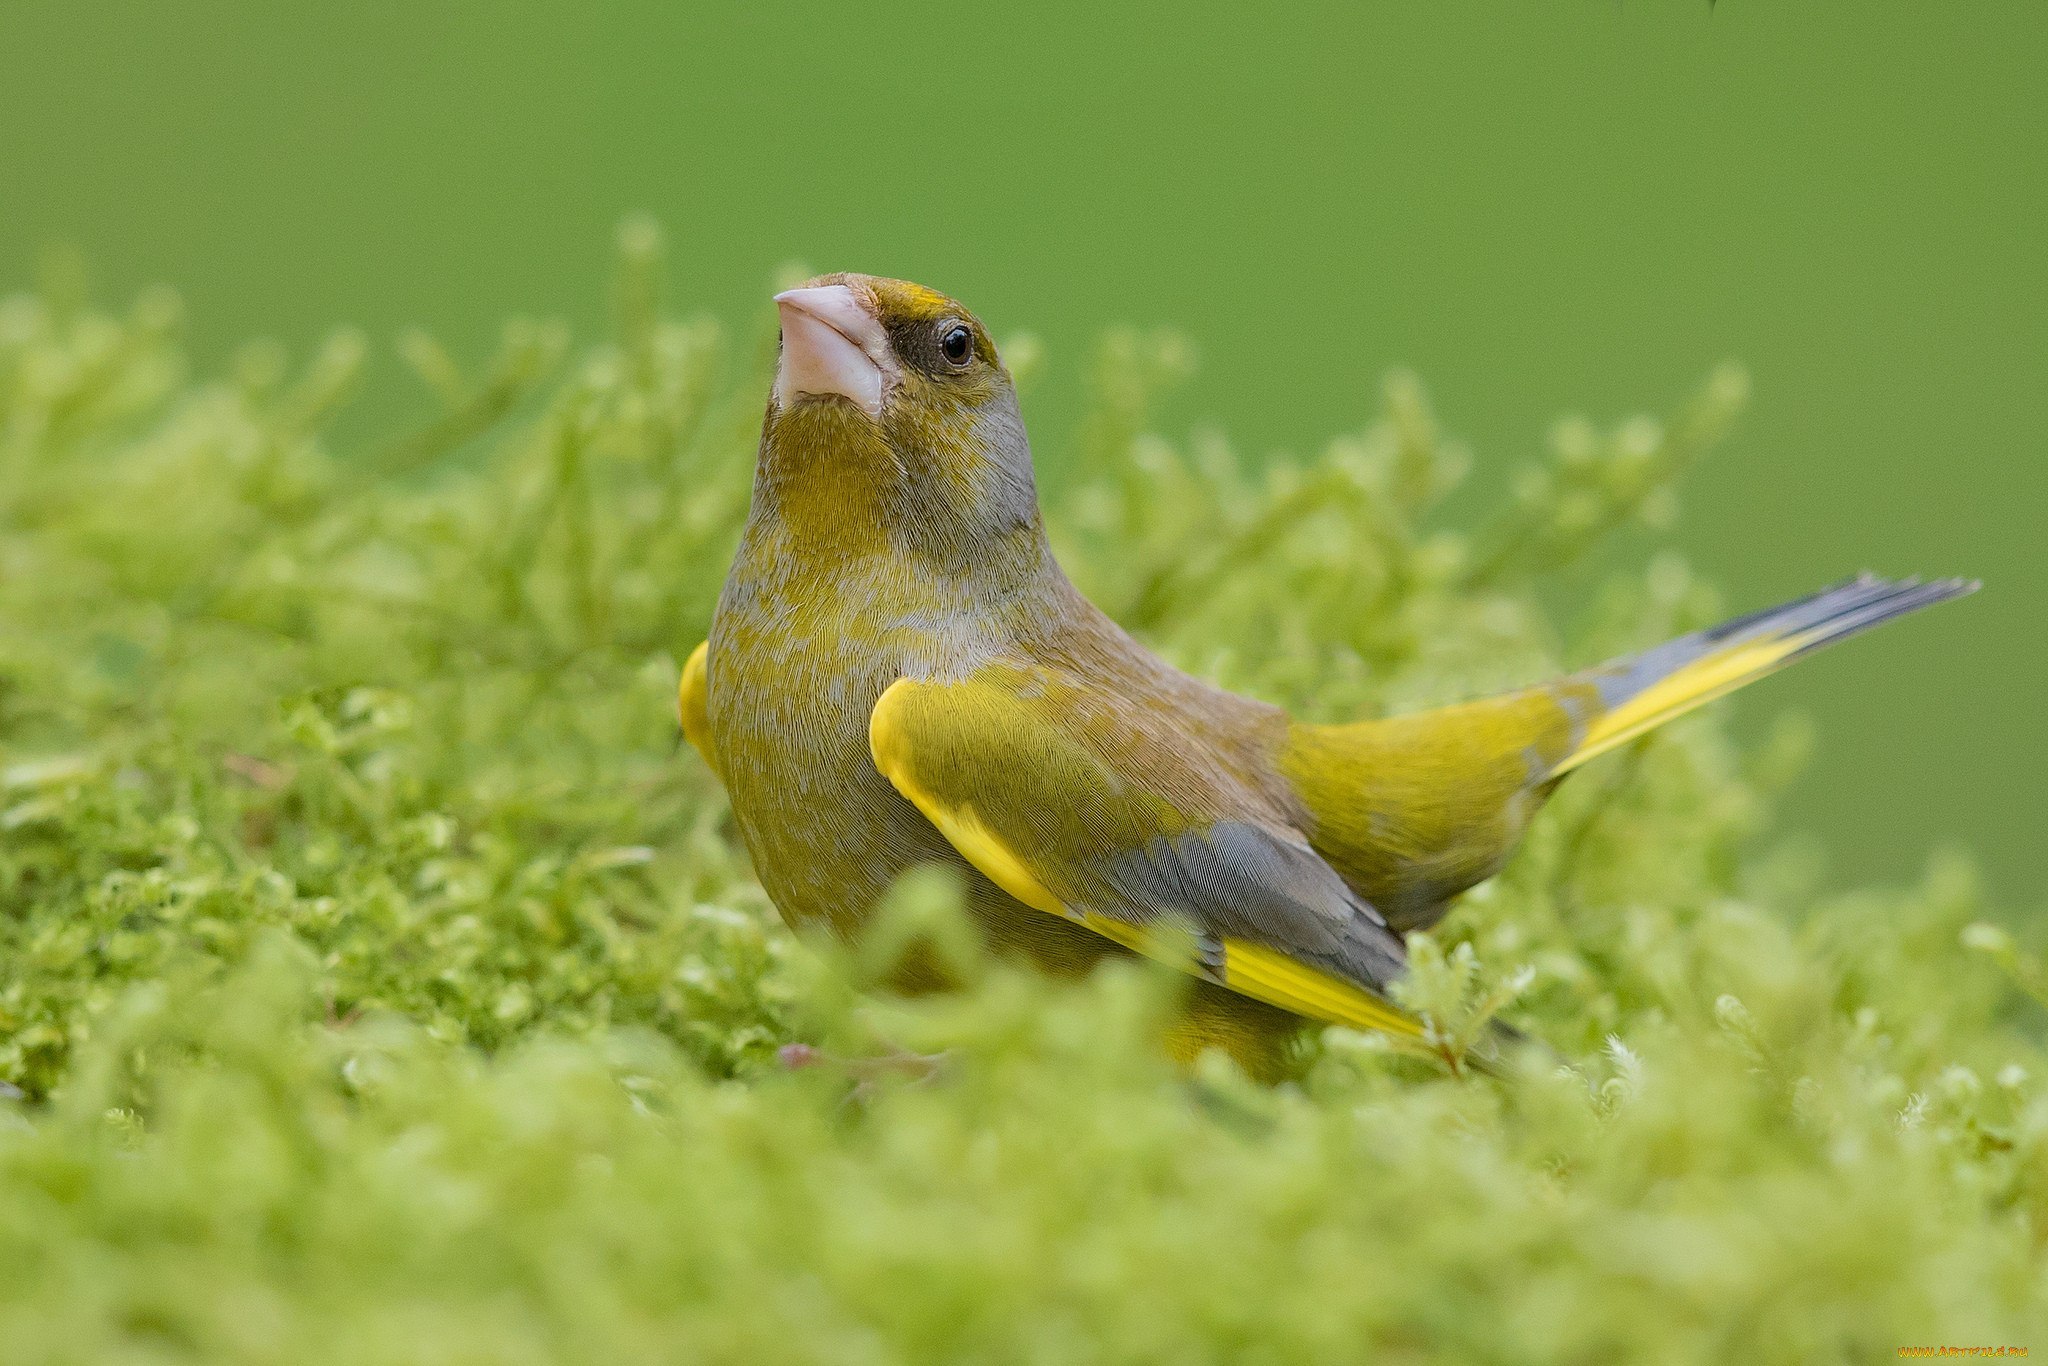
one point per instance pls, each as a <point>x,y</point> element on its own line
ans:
<point>832,344</point>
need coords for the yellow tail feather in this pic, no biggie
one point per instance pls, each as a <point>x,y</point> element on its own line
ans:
<point>1661,684</point>
<point>1672,697</point>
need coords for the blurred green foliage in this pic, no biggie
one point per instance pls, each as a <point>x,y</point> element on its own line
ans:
<point>378,983</point>
<point>1539,207</point>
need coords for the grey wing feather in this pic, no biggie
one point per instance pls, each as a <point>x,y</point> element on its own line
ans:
<point>1235,880</point>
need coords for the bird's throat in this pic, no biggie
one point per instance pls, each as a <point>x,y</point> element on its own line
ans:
<point>827,474</point>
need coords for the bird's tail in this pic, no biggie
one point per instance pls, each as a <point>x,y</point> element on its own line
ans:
<point>1646,690</point>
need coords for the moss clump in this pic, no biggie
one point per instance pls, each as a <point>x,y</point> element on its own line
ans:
<point>378,983</point>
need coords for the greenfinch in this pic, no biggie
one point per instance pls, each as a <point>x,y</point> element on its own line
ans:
<point>898,673</point>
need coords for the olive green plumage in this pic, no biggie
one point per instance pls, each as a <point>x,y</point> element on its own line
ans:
<point>898,672</point>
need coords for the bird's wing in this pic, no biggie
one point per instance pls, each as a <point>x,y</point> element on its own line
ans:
<point>693,708</point>
<point>1113,817</point>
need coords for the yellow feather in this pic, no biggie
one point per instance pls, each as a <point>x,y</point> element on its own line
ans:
<point>962,828</point>
<point>1694,685</point>
<point>692,707</point>
<point>1278,980</point>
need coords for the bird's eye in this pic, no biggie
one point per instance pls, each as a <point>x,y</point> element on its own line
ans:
<point>956,344</point>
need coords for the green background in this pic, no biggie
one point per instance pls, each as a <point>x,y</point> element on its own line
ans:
<point>1541,208</point>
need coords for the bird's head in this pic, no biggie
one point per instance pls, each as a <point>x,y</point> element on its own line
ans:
<point>891,405</point>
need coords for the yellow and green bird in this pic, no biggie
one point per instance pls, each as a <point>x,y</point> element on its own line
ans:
<point>899,673</point>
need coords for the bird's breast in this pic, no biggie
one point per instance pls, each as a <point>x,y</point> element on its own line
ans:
<point>795,666</point>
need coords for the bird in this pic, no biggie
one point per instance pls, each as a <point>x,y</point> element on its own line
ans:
<point>898,673</point>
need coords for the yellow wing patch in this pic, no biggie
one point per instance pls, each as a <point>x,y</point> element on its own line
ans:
<point>962,828</point>
<point>1249,969</point>
<point>692,706</point>
<point>1278,980</point>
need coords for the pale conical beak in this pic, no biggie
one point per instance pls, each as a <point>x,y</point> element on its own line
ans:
<point>832,344</point>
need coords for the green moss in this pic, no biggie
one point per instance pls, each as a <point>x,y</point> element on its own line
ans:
<point>378,982</point>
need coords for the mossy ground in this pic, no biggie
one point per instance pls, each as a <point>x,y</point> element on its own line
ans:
<point>378,982</point>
